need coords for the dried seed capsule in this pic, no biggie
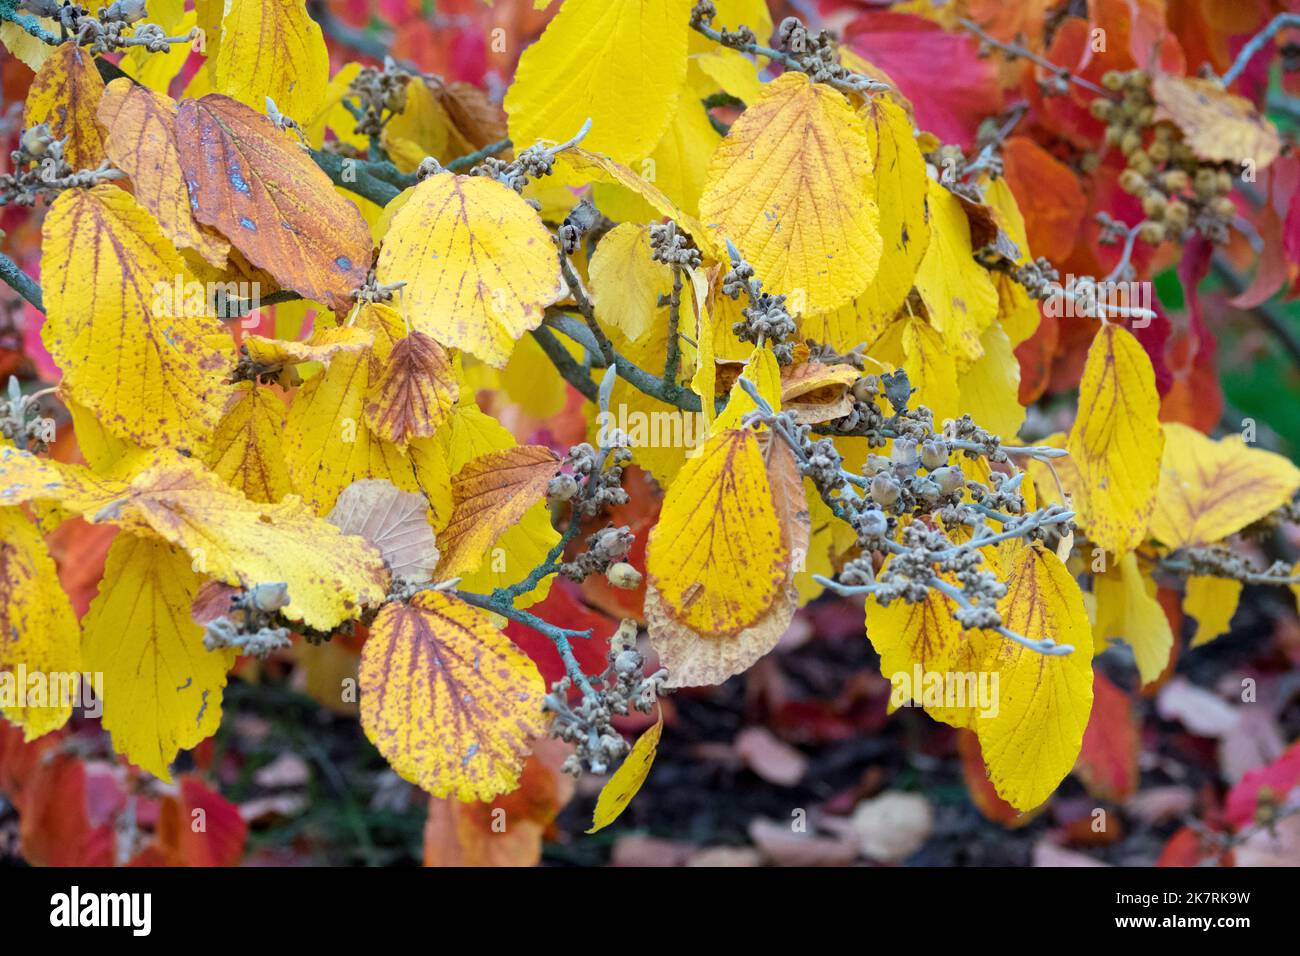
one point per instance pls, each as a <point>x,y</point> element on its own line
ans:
<point>1113,80</point>
<point>934,454</point>
<point>623,575</point>
<point>1176,214</point>
<point>1152,233</point>
<point>36,140</point>
<point>949,479</point>
<point>872,522</point>
<point>562,487</point>
<point>1175,180</point>
<point>866,388</point>
<point>1101,109</point>
<point>1153,204</point>
<point>884,490</point>
<point>1132,182</point>
<point>1223,207</point>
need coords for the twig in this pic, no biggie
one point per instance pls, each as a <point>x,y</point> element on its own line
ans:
<point>1016,50</point>
<point>21,282</point>
<point>1256,43</point>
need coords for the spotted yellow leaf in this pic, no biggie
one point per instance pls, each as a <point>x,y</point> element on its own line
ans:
<point>330,576</point>
<point>162,687</point>
<point>448,699</point>
<point>65,94</point>
<point>246,451</point>
<point>272,48</point>
<point>957,291</point>
<point>38,631</point>
<point>148,375</point>
<point>479,266</point>
<point>791,186</point>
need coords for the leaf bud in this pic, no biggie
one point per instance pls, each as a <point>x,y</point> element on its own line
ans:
<point>884,490</point>
<point>934,454</point>
<point>623,575</point>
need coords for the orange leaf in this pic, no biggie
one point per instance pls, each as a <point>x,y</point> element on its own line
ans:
<point>1108,759</point>
<point>142,143</point>
<point>490,494</point>
<point>415,393</point>
<point>1049,196</point>
<point>248,179</point>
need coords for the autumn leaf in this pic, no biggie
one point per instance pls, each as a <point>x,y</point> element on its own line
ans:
<point>489,495</point>
<point>162,687</point>
<point>394,521</point>
<point>328,441</point>
<point>1127,609</point>
<point>252,183</point>
<point>791,186</point>
<point>129,350</point>
<point>330,576</point>
<point>1108,758</point>
<point>1043,702</point>
<point>246,449</point>
<point>65,94</point>
<point>1116,440</point>
<point>1218,126</point>
<point>38,629</point>
<point>621,65</point>
<point>717,568</point>
<point>1210,489</point>
<point>415,392</point>
<point>479,266</point>
<point>141,142</point>
<point>626,781</point>
<point>957,291</point>
<point>989,390</point>
<point>1213,602</point>
<point>25,477</point>
<point>449,701</point>
<point>272,48</point>
<point>626,282</point>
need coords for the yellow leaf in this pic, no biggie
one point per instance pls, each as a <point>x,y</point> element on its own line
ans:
<point>272,48</point>
<point>626,282</point>
<point>147,374</point>
<point>914,345</point>
<point>531,380</point>
<point>1218,125</point>
<point>1018,313</point>
<point>990,388</point>
<point>763,372</point>
<point>732,72</point>
<point>479,266</point>
<point>421,129</point>
<point>578,166</point>
<point>925,636</point>
<point>901,190</point>
<point>957,291</point>
<point>1210,489</point>
<point>627,779</point>
<point>716,564</point>
<point>448,699</point>
<point>621,65</point>
<point>330,576</point>
<point>328,442</point>
<point>791,187</point>
<point>162,687</point>
<point>38,629</point>
<point>1127,609</point>
<point>472,433</point>
<point>1043,702</point>
<point>1213,602</point>
<point>24,477</point>
<point>333,115</point>
<point>32,51</point>
<point>142,143</point>
<point>490,494</point>
<point>1116,440</point>
<point>246,451</point>
<point>65,94</point>
<point>522,546</point>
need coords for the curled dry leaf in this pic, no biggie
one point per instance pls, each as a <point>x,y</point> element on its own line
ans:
<point>1217,125</point>
<point>817,393</point>
<point>415,392</point>
<point>394,521</point>
<point>448,699</point>
<point>261,190</point>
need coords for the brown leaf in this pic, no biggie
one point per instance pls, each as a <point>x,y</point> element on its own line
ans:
<point>817,393</point>
<point>415,393</point>
<point>490,494</point>
<point>141,142</point>
<point>253,183</point>
<point>396,522</point>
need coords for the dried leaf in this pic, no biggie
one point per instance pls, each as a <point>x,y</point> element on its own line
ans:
<point>396,522</point>
<point>1219,126</point>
